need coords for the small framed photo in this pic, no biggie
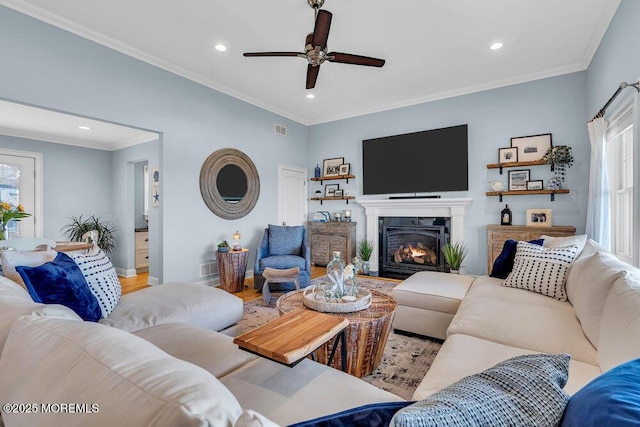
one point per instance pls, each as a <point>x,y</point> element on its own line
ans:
<point>534,185</point>
<point>331,167</point>
<point>345,169</point>
<point>532,148</point>
<point>518,179</point>
<point>338,193</point>
<point>508,155</point>
<point>330,189</point>
<point>539,217</point>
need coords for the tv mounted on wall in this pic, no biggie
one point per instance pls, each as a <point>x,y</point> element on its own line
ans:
<point>427,161</point>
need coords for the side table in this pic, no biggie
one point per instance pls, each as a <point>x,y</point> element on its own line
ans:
<point>232,267</point>
<point>366,334</point>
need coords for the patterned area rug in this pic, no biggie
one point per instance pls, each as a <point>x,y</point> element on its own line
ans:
<point>404,363</point>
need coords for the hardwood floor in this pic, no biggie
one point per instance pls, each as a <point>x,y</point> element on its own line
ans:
<point>131,284</point>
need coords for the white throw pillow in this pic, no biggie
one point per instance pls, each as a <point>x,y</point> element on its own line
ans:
<point>10,259</point>
<point>542,270</point>
<point>558,242</point>
<point>620,326</point>
<point>101,277</point>
<point>251,418</point>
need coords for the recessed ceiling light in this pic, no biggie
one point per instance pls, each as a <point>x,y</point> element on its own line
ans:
<point>221,47</point>
<point>84,127</point>
<point>496,46</point>
<point>310,96</point>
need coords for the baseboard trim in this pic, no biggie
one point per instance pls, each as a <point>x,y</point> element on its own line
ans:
<point>153,281</point>
<point>124,272</point>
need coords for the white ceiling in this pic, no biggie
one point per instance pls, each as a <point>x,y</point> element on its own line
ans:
<point>433,49</point>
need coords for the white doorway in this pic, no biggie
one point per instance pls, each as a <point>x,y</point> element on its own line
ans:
<point>21,183</point>
<point>292,195</point>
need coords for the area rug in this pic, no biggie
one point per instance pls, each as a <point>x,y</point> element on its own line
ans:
<point>405,361</point>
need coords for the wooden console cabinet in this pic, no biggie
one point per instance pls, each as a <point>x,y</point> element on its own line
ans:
<point>498,234</point>
<point>326,237</point>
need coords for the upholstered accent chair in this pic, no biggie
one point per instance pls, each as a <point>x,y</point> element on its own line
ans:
<point>283,247</point>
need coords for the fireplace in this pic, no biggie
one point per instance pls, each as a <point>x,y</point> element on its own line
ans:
<point>410,245</point>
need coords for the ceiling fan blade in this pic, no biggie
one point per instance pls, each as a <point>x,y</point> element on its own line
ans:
<point>321,29</point>
<point>258,54</point>
<point>347,58</point>
<point>312,75</point>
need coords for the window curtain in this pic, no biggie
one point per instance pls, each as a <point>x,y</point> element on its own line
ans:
<point>598,207</point>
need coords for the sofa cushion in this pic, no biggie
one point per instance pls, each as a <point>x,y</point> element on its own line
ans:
<point>10,259</point>
<point>131,382</point>
<point>101,278</point>
<point>282,262</point>
<point>251,418</point>
<point>61,282</point>
<point>524,391</point>
<point>373,415</point>
<point>503,264</point>
<point>453,363</point>
<point>558,242</point>
<point>550,327</point>
<point>620,328</point>
<point>199,305</point>
<point>285,240</point>
<point>612,399</point>
<point>308,390</point>
<point>430,290</point>
<point>210,350</point>
<point>541,270</point>
<point>595,276</point>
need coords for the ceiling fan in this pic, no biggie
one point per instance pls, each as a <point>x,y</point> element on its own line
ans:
<point>315,50</point>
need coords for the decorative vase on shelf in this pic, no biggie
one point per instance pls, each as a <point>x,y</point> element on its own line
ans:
<point>335,271</point>
<point>317,171</point>
<point>365,267</point>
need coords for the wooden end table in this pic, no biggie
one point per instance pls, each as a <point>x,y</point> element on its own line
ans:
<point>366,335</point>
<point>295,335</point>
<point>232,267</point>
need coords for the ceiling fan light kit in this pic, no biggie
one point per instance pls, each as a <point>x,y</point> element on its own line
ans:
<point>315,51</point>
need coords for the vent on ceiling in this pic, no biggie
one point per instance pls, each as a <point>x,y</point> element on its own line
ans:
<point>279,129</point>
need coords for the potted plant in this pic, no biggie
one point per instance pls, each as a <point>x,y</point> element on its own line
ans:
<point>223,246</point>
<point>365,249</point>
<point>560,158</point>
<point>454,254</point>
<point>105,228</point>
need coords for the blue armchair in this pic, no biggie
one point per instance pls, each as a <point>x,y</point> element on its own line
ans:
<point>283,247</point>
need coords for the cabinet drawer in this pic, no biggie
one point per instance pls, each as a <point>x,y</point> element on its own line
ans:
<point>142,258</point>
<point>142,240</point>
<point>502,236</point>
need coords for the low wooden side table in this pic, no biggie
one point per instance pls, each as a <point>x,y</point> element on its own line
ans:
<point>293,336</point>
<point>232,267</point>
<point>366,334</point>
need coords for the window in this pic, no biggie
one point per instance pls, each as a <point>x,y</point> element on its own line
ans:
<point>621,180</point>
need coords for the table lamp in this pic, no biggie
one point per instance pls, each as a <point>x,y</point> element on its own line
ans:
<point>236,241</point>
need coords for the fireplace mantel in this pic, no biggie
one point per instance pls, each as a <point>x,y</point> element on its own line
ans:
<point>453,208</point>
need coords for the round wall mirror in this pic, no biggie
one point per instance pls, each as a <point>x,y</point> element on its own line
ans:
<point>229,183</point>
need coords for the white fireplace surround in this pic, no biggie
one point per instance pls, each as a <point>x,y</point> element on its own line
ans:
<point>448,208</point>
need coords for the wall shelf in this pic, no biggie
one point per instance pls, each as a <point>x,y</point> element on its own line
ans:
<point>515,165</point>
<point>346,198</point>
<point>552,193</point>
<point>333,178</point>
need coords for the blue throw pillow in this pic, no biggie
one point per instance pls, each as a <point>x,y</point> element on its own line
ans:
<point>612,399</point>
<point>372,415</point>
<point>285,240</point>
<point>521,391</point>
<point>61,282</point>
<point>503,264</point>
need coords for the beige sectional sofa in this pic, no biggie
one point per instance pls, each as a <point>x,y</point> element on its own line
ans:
<point>598,326</point>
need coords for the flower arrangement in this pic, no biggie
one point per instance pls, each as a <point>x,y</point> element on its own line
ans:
<point>10,213</point>
<point>560,158</point>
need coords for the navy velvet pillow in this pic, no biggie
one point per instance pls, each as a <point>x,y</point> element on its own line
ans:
<point>372,415</point>
<point>503,265</point>
<point>61,282</point>
<point>612,399</point>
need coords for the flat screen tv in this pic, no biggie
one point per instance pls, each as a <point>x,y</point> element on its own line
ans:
<point>428,161</point>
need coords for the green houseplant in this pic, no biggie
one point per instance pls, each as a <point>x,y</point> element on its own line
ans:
<point>560,158</point>
<point>365,249</point>
<point>105,228</point>
<point>454,254</point>
<point>223,246</point>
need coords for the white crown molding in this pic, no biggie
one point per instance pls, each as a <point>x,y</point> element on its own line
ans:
<point>601,29</point>
<point>141,139</point>
<point>49,138</point>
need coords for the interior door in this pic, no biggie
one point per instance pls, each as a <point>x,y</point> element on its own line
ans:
<point>17,186</point>
<point>292,195</point>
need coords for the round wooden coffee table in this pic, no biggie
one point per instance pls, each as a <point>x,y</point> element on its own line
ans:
<point>366,334</point>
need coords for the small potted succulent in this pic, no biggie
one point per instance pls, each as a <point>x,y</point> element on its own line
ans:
<point>454,254</point>
<point>223,246</point>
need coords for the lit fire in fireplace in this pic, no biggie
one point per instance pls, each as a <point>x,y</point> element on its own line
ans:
<point>419,254</point>
<point>416,251</point>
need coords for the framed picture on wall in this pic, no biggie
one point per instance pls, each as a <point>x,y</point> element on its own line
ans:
<point>330,189</point>
<point>531,148</point>
<point>331,167</point>
<point>539,217</point>
<point>508,155</point>
<point>518,179</point>
<point>534,185</point>
<point>345,169</point>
